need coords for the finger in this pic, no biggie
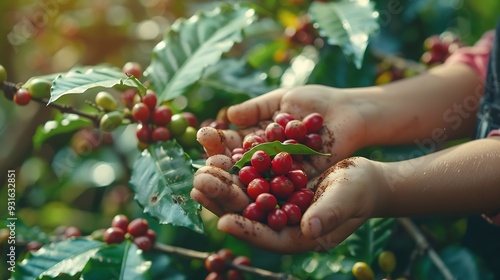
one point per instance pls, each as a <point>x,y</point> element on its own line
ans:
<point>217,141</point>
<point>220,161</point>
<point>220,186</point>
<point>289,240</point>
<point>207,202</point>
<point>257,109</point>
<point>333,205</point>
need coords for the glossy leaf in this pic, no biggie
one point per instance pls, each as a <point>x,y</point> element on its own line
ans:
<point>62,124</point>
<point>80,80</point>
<point>192,45</point>
<point>273,148</point>
<point>370,239</point>
<point>162,179</point>
<point>122,261</point>
<point>346,23</point>
<point>67,257</point>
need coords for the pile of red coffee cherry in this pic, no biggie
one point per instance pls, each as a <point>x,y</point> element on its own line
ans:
<point>277,185</point>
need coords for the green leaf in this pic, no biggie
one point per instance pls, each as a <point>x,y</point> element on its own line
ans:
<point>370,239</point>
<point>236,77</point>
<point>346,23</point>
<point>123,261</point>
<point>82,79</point>
<point>67,257</point>
<point>162,179</point>
<point>192,45</point>
<point>63,124</point>
<point>272,149</point>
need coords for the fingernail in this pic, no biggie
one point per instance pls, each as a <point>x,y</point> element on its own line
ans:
<point>315,227</point>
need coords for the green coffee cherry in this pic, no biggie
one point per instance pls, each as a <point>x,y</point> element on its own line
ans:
<point>106,101</point>
<point>39,88</point>
<point>110,121</point>
<point>387,261</point>
<point>177,125</point>
<point>362,271</point>
<point>188,138</point>
<point>3,74</point>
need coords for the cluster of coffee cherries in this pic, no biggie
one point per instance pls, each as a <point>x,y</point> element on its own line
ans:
<point>439,47</point>
<point>219,265</point>
<point>138,230</point>
<point>37,88</point>
<point>277,186</point>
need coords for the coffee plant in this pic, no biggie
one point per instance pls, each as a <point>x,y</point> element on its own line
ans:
<point>102,187</point>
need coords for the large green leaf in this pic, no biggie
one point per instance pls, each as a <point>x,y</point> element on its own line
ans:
<point>62,124</point>
<point>67,257</point>
<point>123,261</point>
<point>370,239</point>
<point>192,45</point>
<point>162,179</point>
<point>346,23</point>
<point>82,79</point>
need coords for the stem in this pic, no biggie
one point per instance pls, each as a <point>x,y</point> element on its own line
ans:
<point>183,252</point>
<point>10,89</point>
<point>422,243</point>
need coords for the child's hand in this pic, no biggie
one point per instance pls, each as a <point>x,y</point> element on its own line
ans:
<point>346,196</point>
<point>343,133</point>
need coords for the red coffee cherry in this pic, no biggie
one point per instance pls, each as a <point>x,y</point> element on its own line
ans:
<point>266,201</point>
<point>298,178</point>
<point>302,198</point>
<point>277,219</point>
<point>261,161</point>
<point>283,119</point>
<point>295,129</point>
<point>226,254</point>
<point>113,235</point>
<point>22,97</point>
<point>242,260</point>
<point>215,263</point>
<point>143,243</point>
<point>143,133</point>
<point>252,140</point>
<point>150,99</point>
<point>138,227</point>
<point>254,212</point>
<point>293,213</point>
<point>256,187</point>
<point>281,187</point>
<point>151,234</point>
<point>247,174</point>
<point>282,163</point>
<point>132,68</point>
<point>234,274</point>
<point>140,112</point>
<point>161,134</point>
<point>314,141</point>
<point>313,122</point>
<point>275,132</point>
<point>120,221</point>
<point>72,232</point>
<point>162,115</point>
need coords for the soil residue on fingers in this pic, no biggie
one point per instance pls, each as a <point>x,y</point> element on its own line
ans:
<point>321,186</point>
<point>222,137</point>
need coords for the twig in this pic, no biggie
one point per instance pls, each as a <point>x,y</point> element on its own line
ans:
<point>422,243</point>
<point>10,89</point>
<point>183,252</point>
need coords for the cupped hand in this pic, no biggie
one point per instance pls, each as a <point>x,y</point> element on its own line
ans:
<point>346,195</point>
<point>343,129</point>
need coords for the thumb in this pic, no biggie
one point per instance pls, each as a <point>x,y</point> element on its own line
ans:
<point>257,109</point>
<point>333,206</point>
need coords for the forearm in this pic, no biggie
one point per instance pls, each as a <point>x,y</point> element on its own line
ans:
<point>461,180</point>
<point>440,104</point>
